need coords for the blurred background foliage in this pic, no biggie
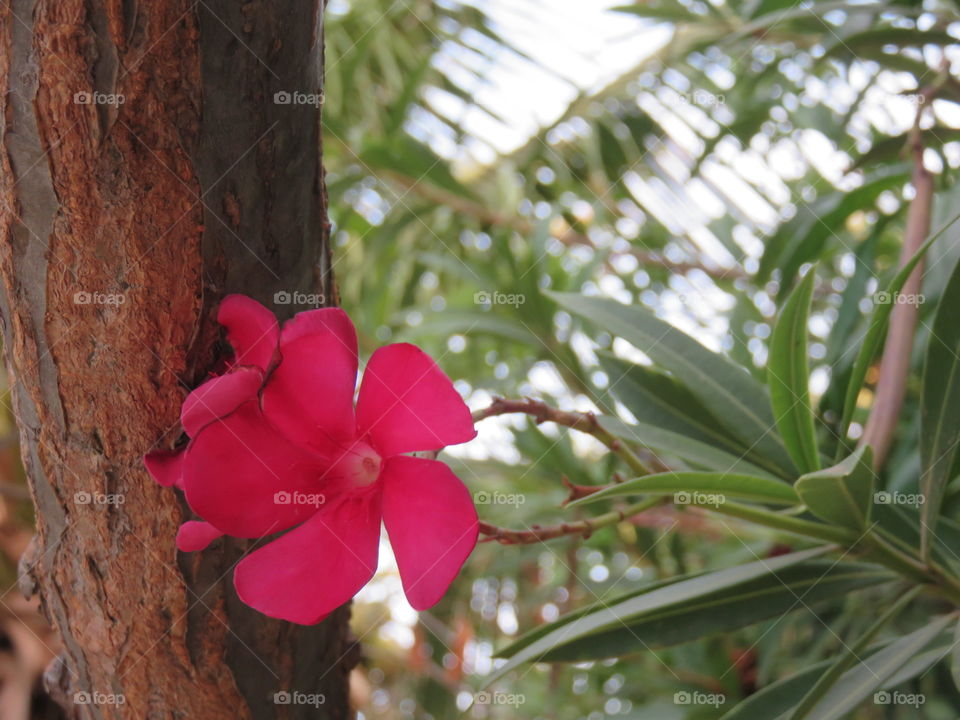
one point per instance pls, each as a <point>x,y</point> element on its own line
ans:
<point>694,157</point>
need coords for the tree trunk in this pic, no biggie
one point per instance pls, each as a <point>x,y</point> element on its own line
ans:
<point>147,171</point>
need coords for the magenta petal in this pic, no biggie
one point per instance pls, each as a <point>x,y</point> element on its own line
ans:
<point>406,403</point>
<point>241,476</point>
<point>252,330</point>
<point>432,524</point>
<point>310,394</point>
<point>195,535</point>
<point>166,466</point>
<point>314,569</point>
<point>219,397</point>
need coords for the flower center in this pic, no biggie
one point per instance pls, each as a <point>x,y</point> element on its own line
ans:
<point>359,465</point>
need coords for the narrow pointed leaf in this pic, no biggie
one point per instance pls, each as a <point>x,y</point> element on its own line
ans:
<point>843,494</point>
<point>788,375</point>
<point>693,452</point>
<point>717,484</point>
<point>876,330</point>
<point>617,613</point>
<point>793,589</point>
<point>900,524</point>
<point>859,683</point>
<point>775,701</point>
<point>849,657</point>
<point>728,391</point>
<point>955,656</point>
<point>655,398</point>
<point>940,408</point>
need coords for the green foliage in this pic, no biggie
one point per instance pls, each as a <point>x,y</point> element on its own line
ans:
<point>638,257</point>
<point>788,375</point>
<point>860,682</point>
<point>665,613</point>
<point>875,332</point>
<point>940,407</point>
<point>842,494</point>
<point>745,487</point>
<point>718,384</point>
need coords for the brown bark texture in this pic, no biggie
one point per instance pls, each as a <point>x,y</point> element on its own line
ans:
<point>146,171</point>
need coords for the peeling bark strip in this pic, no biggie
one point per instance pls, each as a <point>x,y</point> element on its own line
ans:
<point>145,172</point>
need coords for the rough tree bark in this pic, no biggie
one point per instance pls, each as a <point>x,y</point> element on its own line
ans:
<point>123,224</point>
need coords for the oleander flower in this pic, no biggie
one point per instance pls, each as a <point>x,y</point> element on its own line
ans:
<point>277,445</point>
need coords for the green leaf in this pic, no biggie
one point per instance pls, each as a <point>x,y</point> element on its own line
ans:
<point>774,701</point>
<point>772,20</point>
<point>657,399</point>
<point>876,330</point>
<point>877,39</point>
<point>955,656</point>
<point>889,150</point>
<point>728,391</point>
<point>850,656</point>
<point>477,323</point>
<point>771,596</point>
<point>411,162</point>
<point>744,487</point>
<point>940,407</point>
<point>788,375</point>
<point>619,613</point>
<point>803,237</point>
<point>843,494</point>
<point>874,673</point>
<point>692,452</point>
<point>900,524</point>
<point>761,8</point>
<point>670,11</point>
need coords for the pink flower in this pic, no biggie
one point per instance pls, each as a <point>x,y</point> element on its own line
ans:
<point>276,444</point>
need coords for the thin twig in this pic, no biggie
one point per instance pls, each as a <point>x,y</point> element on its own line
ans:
<point>582,491</point>
<point>584,422</point>
<point>584,528</point>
